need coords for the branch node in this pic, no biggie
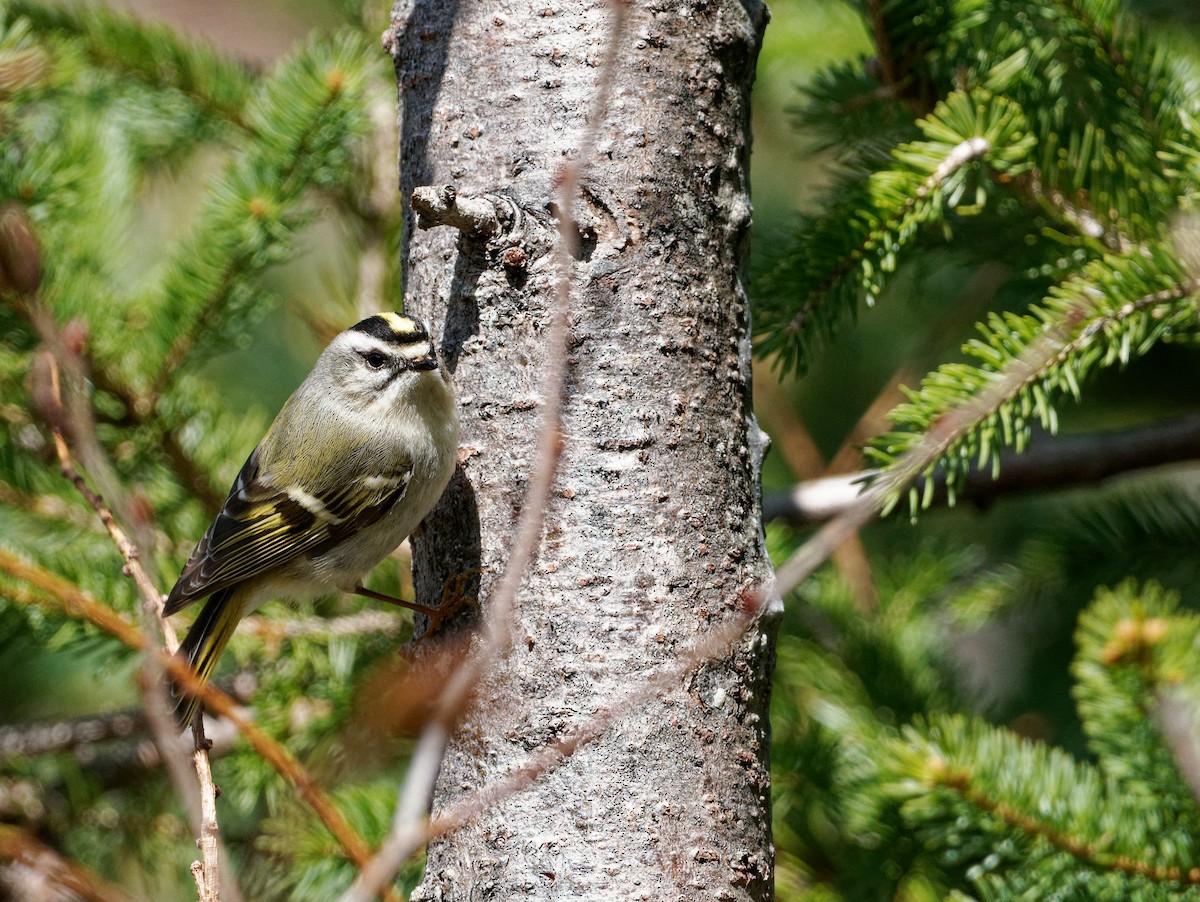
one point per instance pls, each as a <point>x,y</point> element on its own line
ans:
<point>478,216</point>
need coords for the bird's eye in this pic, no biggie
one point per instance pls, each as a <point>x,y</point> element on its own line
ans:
<point>375,359</point>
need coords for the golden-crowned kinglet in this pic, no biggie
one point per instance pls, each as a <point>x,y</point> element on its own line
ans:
<point>354,461</point>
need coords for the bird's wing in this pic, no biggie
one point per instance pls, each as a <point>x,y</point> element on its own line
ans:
<point>262,526</point>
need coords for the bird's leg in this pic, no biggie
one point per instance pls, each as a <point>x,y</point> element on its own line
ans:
<point>453,599</point>
<point>400,602</point>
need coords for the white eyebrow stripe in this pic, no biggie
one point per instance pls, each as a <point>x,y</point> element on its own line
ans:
<point>366,343</point>
<point>415,351</point>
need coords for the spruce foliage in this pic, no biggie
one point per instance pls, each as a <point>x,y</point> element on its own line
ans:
<point>102,119</point>
<point>1060,139</point>
<point>1062,123</point>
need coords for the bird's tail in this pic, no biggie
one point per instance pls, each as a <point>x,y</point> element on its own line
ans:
<point>204,643</point>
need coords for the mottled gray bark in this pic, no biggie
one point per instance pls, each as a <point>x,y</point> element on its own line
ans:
<point>655,529</point>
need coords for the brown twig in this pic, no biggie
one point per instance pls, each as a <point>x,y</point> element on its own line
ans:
<point>133,568</point>
<point>51,868</point>
<point>207,872</point>
<point>65,596</point>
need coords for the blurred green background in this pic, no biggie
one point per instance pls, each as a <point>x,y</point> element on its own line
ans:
<point>1019,665</point>
<point>1030,563</point>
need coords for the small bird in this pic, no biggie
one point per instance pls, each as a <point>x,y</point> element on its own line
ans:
<point>351,465</point>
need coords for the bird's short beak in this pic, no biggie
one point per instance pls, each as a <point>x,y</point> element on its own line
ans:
<point>428,362</point>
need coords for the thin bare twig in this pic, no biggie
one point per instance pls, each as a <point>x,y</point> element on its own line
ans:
<point>29,740</point>
<point>209,838</point>
<point>62,595</point>
<point>417,792</point>
<point>112,746</point>
<point>364,623</point>
<point>207,872</point>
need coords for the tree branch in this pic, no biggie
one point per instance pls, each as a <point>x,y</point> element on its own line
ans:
<point>479,216</point>
<point>959,781</point>
<point>1049,465</point>
<point>64,596</point>
<point>207,872</point>
<point>1073,329</point>
<point>113,747</point>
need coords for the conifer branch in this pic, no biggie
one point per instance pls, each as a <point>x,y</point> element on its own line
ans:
<point>1073,212</point>
<point>1131,640</point>
<point>253,207</point>
<point>59,594</point>
<point>112,745</point>
<point>138,408</point>
<point>1105,37</point>
<point>151,597</point>
<point>206,872</point>
<point>965,152</point>
<point>141,411</point>
<point>155,54</point>
<point>48,506</point>
<point>959,780</point>
<point>843,257</point>
<point>957,400</point>
<point>944,426</point>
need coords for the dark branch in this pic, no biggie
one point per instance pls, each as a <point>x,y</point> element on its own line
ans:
<point>1048,465</point>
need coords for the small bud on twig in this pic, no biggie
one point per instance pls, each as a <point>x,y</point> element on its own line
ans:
<point>20,255</point>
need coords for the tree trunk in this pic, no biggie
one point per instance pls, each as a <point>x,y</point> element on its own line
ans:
<point>654,534</point>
